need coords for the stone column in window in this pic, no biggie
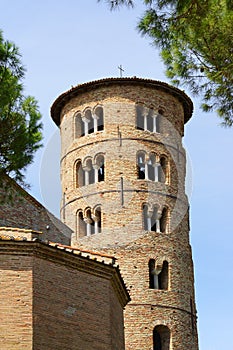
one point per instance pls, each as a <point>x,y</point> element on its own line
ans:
<point>88,222</point>
<point>95,118</point>
<point>146,168</point>
<point>155,279</point>
<point>149,214</point>
<point>86,174</point>
<point>86,121</point>
<point>154,116</point>
<point>96,223</point>
<point>156,168</point>
<point>158,217</point>
<point>96,169</point>
<point>144,115</point>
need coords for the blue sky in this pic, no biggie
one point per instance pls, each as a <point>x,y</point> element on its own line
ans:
<point>64,43</point>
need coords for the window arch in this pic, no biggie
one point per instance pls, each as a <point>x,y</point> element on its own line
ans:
<point>81,226</point>
<point>99,116</point>
<point>90,222</point>
<point>97,219</point>
<point>158,274</point>
<point>148,119</point>
<point>78,125</point>
<point>79,174</point>
<point>141,165</point>
<point>151,219</point>
<point>99,168</point>
<point>161,338</point>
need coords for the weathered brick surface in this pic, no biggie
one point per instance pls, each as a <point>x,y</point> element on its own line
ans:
<point>122,228</point>
<point>25,212</point>
<point>52,299</point>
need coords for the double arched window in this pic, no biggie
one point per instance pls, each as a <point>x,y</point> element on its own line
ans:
<point>152,167</point>
<point>155,219</point>
<point>158,274</point>
<point>89,221</point>
<point>148,119</point>
<point>161,338</point>
<point>90,170</point>
<point>89,121</point>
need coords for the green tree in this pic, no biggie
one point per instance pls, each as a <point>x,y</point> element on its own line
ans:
<point>195,38</point>
<point>20,126</point>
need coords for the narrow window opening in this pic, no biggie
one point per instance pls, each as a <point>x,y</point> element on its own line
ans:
<point>140,118</point>
<point>150,124</point>
<point>100,120</point>
<point>158,277</point>
<point>163,277</point>
<point>81,226</point>
<point>164,220</point>
<point>141,166</point>
<point>161,338</point>
<point>79,175</point>
<point>163,170</point>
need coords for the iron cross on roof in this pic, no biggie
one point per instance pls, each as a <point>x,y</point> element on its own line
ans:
<point>121,70</point>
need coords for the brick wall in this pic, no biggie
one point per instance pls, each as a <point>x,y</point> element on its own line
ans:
<point>122,195</point>
<point>51,299</point>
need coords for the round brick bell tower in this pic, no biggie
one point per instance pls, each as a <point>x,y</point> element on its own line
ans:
<point>123,183</point>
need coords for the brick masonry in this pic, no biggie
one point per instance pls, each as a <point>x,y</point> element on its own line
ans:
<point>55,299</point>
<point>121,197</point>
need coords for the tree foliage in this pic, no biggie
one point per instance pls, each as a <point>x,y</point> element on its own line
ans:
<point>20,126</point>
<point>196,42</point>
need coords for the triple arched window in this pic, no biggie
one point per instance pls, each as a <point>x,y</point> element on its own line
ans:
<point>89,171</point>
<point>152,167</point>
<point>155,219</point>
<point>89,221</point>
<point>161,338</point>
<point>148,119</point>
<point>89,121</point>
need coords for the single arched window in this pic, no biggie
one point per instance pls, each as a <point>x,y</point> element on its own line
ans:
<point>79,174</point>
<point>141,165</point>
<point>99,114</point>
<point>140,117</point>
<point>152,174</point>
<point>162,175</point>
<point>164,221</point>
<point>97,220</point>
<point>161,338</point>
<point>78,125</point>
<point>81,226</point>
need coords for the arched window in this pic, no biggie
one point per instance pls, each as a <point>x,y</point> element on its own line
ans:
<point>79,174</point>
<point>164,220</point>
<point>78,125</point>
<point>158,275</point>
<point>161,338</point>
<point>99,168</point>
<point>88,122</point>
<point>97,220</point>
<point>140,117</point>
<point>90,229</point>
<point>89,177</point>
<point>162,175</point>
<point>152,167</point>
<point>81,226</point>
<point>141,165</point>
<point>99,115</point>
<point>151,220</point>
